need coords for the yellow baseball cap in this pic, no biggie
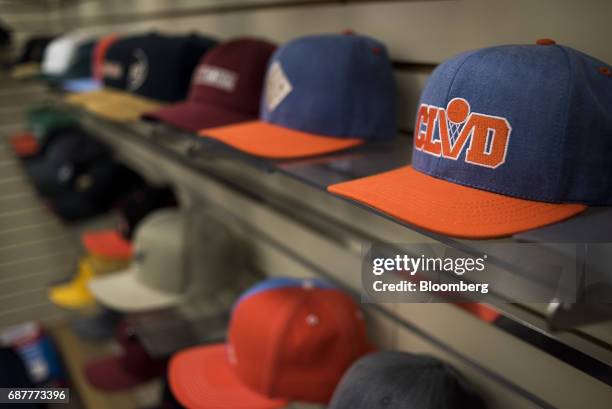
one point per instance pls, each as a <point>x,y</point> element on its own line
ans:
<point>75,294</point>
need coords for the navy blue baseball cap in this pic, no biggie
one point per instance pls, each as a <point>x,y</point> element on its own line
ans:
<point>322,94</point>
<point>160,67</point>
<point>507,139</point>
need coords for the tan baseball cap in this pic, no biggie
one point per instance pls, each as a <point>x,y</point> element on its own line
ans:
<point>172,262</point>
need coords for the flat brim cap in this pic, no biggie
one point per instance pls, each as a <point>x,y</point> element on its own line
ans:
<point>202,377</point>
<point>191,116</point>
<point>449,208</point>
<point>124,292</point>
<point>267,140</point>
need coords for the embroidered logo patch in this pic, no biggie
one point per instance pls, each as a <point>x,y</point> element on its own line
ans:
<point>138,71</point>
<point>445,132</point>
<point>215,77</point>
<point>277,86</point>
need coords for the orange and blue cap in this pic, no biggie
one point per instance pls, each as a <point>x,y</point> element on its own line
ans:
<point>322,94</point>
<point>507,139</point>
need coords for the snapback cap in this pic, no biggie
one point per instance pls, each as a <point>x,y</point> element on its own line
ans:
<point>75,294</point>
<point>137,77</point>
<point>322,94</point>
<point>94,191</point>
<point>171,263</point>
<point>500,146</point>
<point>116,243</point>
<point>131,367</point>
<point>225,87</point>
<point>61,53</point>
<point>157,277</point>
<point>286,343</point>
<point>398,380</point>
<point>33,50</point>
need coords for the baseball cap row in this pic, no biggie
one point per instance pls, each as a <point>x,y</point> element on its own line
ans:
<point>288,340</point>
<point>507,138</point>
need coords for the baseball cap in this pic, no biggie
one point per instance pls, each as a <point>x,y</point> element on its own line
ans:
<point>62,53</point>
<point>91,79</point>
<point>394,380</point>
<point>115,243</point>
<point>27,64</point>
<point>99,54</point>
<point>225,87</point>
<point>131,367</point>
<point>322,94</point>
<point>44,124</point>
<point>137,76</point>
<point>80,65</point>
<point>285,343</point>
<point>24,144</point>
<point>33,49</point>
<point>75,294</point>
<point>100,326</point>
<point>499,144</point>
<point>70,155</point>
<point>168,266</point>
<point>94,191</point>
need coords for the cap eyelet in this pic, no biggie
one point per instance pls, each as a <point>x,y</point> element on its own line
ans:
<point>376,50</point>
<point>312,320</point>
<point>605,71</point>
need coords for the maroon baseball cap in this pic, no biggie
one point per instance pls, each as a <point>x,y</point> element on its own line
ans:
<point>131,367</point>
<point>225,87</point>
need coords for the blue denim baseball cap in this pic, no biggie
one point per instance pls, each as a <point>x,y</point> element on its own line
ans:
<point>322,94</point>
<point>506,139</point>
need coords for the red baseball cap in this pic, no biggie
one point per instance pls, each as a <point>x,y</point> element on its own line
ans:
<point>132,367</point>
<point>225,87</point>
<point>107,243</point>
<point>24,144</point>
<point>284,344</point>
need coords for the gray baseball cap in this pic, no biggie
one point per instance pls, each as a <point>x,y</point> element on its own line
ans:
<point>171,263</point>
<point>398,380</point>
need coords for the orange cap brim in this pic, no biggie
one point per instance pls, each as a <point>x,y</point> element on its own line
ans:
<point>272,141</point>
<point>451,209</point>
<point>107,243</point>
<point>202,378</point>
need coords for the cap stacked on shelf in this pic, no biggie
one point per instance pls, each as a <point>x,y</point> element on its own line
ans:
<point>225,87</point>
<point>398,380</point>
<point>288,341</point>
<point>175,258</point>
<point>496,149</point>
<point>322,94</point>
<point>137,77</point>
